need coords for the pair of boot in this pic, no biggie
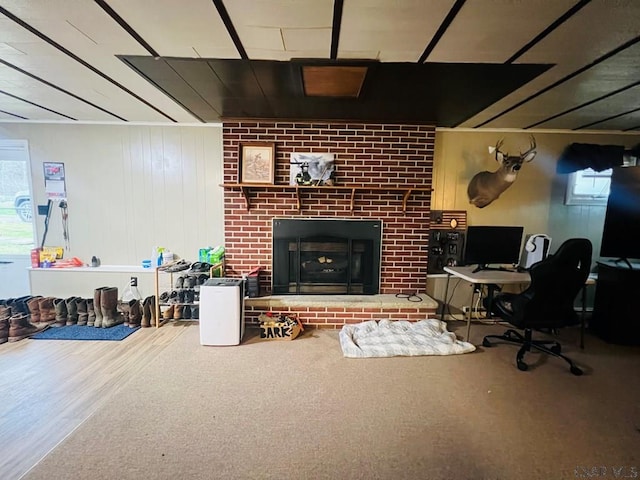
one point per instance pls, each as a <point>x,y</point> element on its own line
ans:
<point>70,311</point>
<point>105,306</point>
<point>131,312</point>
<point>16,326</point>
<point>41,310</point>
<point>137,313</point>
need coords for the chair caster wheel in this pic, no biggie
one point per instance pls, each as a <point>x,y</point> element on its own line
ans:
<point>575,370</point>
<point>486,343</point>
<point>556,349</point>
<point>522,366</point>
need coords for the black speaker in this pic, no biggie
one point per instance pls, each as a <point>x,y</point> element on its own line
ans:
<point>445,249</point>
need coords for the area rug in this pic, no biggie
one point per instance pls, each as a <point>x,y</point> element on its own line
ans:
<point>389,338</point>
<point>83,332</point>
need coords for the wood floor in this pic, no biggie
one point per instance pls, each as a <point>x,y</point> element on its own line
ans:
<point>49,387</point>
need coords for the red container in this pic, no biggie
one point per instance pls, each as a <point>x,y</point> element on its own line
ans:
<point>35,258</point>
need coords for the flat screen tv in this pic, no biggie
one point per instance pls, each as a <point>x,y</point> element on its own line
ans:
<point>492,245</point>
<point>620,235</point>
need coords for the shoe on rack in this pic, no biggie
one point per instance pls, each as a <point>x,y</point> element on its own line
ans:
<point>190,281</point>
<point>195,267</point>
<point>200,267</point>
<point>182,296</point>
<point>168,313</point>
<point>174,297</point>
<point>177,266</point>
<point>189,296</point>
<point>179,283</point>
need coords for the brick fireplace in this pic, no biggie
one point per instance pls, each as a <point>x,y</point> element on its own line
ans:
<point>394,157</point>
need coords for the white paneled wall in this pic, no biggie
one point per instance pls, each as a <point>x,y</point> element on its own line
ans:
<point>130,187</point>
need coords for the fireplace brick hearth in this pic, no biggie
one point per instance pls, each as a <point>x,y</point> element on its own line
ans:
<point>375,155</point>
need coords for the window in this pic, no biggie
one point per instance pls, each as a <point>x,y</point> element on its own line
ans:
<point>588,187</point>
<point>16,209</point>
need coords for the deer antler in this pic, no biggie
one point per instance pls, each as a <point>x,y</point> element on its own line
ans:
<point>529,154</point>
<point>499,155</point>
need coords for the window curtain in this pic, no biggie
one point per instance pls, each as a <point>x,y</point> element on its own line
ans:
<point>579,156</point>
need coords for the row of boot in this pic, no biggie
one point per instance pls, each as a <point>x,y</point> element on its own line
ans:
<point>25,316</point>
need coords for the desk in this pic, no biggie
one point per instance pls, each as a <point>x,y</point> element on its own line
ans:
<point>482,277</point>
<point>503,277</point>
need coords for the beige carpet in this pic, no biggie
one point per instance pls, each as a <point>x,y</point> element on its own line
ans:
<point>299,410</point>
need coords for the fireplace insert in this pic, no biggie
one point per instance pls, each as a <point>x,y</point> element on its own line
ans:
<point>317,256</point>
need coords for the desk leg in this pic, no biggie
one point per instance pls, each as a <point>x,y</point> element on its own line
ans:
<point>470,310</point>
<point>584,313</point>
<point>444,302</point>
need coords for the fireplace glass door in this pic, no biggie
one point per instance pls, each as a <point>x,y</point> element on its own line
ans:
<point>305,263</point>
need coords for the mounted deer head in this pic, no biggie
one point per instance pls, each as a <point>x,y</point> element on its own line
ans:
<point>486,186</point>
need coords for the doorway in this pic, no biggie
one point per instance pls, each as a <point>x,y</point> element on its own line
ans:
<point>17,236</point>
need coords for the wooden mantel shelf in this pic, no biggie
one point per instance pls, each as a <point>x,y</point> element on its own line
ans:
<point>406,191</point>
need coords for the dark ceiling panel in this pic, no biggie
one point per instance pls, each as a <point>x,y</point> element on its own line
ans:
<point>201,78</point>
<point>237,76</point>
<point>278,79</point>
<point>159,73</point>
<point>443,94</point>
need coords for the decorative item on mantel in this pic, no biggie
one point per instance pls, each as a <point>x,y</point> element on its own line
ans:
<point>312,169</point>
<point>257,163</point>
<point>274,326</point>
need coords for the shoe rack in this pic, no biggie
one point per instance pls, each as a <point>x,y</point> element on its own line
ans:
<point>178,295</point>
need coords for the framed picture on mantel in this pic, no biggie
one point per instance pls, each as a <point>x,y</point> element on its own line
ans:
<point>257,162</point>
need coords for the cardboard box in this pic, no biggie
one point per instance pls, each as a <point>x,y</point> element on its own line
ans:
<point>51,254</point>
<point>279,327</point>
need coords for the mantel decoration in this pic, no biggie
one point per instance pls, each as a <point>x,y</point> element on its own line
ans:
<point>257,162</point>
<point>312,169</point>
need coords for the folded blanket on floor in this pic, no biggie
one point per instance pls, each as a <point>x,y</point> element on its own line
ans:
<point>389,338</point>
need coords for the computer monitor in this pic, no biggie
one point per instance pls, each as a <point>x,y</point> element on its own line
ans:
<point>492,245</point>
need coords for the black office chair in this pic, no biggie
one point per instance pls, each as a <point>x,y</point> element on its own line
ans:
<point>548,301</point>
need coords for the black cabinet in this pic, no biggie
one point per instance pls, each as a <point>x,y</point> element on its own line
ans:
<point>616,305</point>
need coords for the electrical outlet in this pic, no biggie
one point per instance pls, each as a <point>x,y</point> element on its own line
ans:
<point>475,310</point>
<point>134,281</point>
